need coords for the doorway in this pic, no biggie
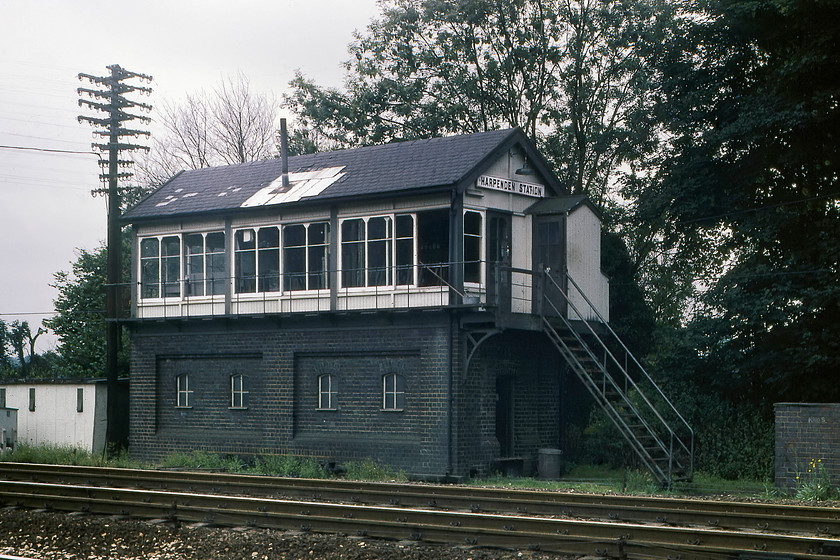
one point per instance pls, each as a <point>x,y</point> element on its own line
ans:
<point>499,260</point>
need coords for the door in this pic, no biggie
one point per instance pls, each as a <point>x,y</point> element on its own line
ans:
<point>498,260</point>
<point>504,415</point>
<point>549,252</point>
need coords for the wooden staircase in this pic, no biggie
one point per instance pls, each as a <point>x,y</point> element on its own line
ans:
<point>648,421</point>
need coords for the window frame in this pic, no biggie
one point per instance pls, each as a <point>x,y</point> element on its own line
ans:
<point>396,392</point>
<point>184,387</point>
<point>162,261</point>
<point>212,280</point>
<point>309,275</point>
<point>241,392</point>
<point>480,240</point>
<point>330,393</point>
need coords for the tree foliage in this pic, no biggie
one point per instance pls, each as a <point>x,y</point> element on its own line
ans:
<point>18,358</point>
<point>79,322</point>
<point>567,72</point>
<point>751,106</point>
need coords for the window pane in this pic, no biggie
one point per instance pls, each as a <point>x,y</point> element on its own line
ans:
<point>215,263</point>
<point>318,268</point>
<point>294,269</point>
<point>405,249</point>
<point>149,269</point>
<point>194,273</point>
<point>319,233</point>
<point>171,266</point>
<point>379,252</point>
<point>294,236</point>
<point>353,253</point>
<point>149,248</point>
<point>269,259</point>
<point>245,261</point>
<point>472,223</point>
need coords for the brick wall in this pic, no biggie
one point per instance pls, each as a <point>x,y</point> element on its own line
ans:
<point>532,367</point>
<point>806,433</point>
<point>447,426</point>
<point>281,364</point>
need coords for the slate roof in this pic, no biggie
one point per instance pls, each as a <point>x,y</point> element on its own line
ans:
<point>394,168</point>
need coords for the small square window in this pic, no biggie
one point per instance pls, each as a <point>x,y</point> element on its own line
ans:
<point>184,390</point>
<point>393,392</point>
<point>238,394</point>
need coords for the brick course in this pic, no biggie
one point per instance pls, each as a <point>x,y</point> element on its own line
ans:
<point>806,433</point>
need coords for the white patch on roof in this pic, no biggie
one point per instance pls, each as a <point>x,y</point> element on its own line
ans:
<point>167,202</point>
<point>301,185</point>
<point>189,194</point>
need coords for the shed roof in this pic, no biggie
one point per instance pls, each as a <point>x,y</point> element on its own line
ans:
<point>396,168</point>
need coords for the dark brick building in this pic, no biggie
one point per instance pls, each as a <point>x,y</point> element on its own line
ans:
<point>383,302</point>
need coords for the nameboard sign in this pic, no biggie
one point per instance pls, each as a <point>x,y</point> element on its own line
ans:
<point>506,185</point>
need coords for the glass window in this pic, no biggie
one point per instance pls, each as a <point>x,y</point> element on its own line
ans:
<point>405,249</point>
<point>238,394</point>
<point>379,251</point>
<point>194,264</point>
<point>184,391</point>
<point>326,392</point>
<point>2,398</point>
<point>393,393</point>
<point>215,263</point>
<point>472,246</point>
<point>150,268</point>
<point>32,399</point>
<point>268,259</point>
<point>294,257</point>
<point>170,266</point>
<point>353,253</point>
<point>318,255</point>
<point>80,399</point>
<point>245,261</point>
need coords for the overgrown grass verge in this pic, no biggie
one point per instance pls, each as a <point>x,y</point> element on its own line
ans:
<point>66,455</point>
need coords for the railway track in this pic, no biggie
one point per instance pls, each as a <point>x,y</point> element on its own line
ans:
<point>616,526</point>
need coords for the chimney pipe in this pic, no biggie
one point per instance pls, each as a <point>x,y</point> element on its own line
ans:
<point>284,155</point>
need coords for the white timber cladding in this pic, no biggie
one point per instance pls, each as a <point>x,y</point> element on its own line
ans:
<point>583,259</point>
<point>56,419</point>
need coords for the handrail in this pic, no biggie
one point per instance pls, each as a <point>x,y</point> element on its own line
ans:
<point>623,369</point>
<point>626,350</point>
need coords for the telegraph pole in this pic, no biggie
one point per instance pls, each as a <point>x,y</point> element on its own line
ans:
<point>111,102</point>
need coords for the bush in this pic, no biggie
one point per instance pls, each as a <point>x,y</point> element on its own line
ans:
<point>289,465</point>
<point>204,460</point>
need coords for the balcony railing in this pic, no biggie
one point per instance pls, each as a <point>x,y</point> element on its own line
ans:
<point>430,288</point>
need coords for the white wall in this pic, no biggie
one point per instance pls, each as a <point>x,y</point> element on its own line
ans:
<point>55,419</point>
<point>583,250</point>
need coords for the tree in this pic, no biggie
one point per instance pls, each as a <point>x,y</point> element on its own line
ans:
<point>18,337</point>
<point>231,124</point>
<point>565,71</point>
<point>79,321</point>
<point>750,186</point>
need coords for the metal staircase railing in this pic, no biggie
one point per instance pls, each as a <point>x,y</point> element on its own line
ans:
<point>591,353</point>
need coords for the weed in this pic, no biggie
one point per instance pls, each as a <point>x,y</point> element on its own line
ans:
<point>815,484</point>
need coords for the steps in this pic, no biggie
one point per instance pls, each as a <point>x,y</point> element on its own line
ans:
<point>648,421</point>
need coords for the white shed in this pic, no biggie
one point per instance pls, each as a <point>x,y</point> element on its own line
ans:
<point>59,412</point>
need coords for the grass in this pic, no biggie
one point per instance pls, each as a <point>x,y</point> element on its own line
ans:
<point>582,478</point>
<point>605,480</point>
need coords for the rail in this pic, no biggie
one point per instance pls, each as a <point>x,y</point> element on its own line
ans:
<point>563,531</point>
<point>611,367</point>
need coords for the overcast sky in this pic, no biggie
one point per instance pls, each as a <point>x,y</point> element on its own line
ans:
<point>46,209</point>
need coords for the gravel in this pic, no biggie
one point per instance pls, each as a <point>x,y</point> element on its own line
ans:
<point>54,536</point>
